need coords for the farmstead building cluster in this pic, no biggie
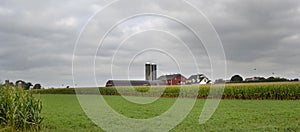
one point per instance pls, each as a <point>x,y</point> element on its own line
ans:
<point>152,80</point>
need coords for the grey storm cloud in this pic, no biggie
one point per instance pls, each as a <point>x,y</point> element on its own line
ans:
<point>38,38</point>
<point>261,34</point>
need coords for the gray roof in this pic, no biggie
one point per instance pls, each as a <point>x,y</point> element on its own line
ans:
<point>197,76</point>
<point>134,83</point>
<point>195,79</point>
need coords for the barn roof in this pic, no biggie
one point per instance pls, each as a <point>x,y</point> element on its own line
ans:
<point>134,83</point>
<point>169,77</point>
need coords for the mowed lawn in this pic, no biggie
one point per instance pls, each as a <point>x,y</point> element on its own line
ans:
<point>63,113</point>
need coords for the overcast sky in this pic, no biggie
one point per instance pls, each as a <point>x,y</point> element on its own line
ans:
<point>38,39</point>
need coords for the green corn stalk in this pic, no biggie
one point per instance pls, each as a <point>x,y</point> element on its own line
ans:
<point>19,110</point>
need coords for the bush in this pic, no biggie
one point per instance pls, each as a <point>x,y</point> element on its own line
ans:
<point>236,78</point>
<point>37,86</point>
<point>19,110</point>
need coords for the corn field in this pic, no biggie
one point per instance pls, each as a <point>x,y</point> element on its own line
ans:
<point>249,91</point>
<point>19,110</point>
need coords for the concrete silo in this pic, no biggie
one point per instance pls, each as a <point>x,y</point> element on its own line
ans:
<point>150,71</point>
<point>153,70</point>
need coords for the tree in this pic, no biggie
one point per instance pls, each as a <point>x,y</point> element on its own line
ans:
<point>276,79</point>
<point>37,86</point>
<point>27,86</point>
<point>261,79</point>
<point>271,78</point>
<point>236,78</point>
<point>20,84</point>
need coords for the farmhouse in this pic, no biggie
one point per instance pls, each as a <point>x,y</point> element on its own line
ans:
<point>174,79</point>
<point>198,79</point>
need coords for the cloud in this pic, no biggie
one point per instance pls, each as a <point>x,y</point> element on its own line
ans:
<point>38,38</point>
<point>258,34</point>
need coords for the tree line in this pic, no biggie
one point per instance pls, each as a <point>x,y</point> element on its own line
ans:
<point>239,79</point>
<point>22,84</point>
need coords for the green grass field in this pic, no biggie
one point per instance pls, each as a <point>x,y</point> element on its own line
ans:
<point>63,113</point>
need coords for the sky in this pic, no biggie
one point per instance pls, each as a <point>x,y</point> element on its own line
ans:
<point>56,42</point>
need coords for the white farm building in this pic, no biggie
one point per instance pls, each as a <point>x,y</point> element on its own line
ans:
<point>198,79</point>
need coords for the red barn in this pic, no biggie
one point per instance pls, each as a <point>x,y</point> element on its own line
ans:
<point>174,79</point>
